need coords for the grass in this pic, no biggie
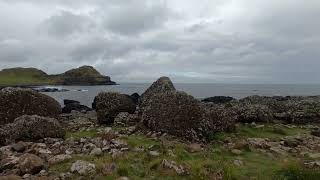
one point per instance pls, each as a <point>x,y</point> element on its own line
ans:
<point>213,161</point>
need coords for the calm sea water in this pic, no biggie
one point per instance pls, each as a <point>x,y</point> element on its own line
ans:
<point>87,93</point>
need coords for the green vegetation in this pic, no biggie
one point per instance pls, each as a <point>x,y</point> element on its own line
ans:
<point>213,162</point>
<point>32,76</point>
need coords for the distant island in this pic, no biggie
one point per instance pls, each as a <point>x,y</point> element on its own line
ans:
<point>84,75</point>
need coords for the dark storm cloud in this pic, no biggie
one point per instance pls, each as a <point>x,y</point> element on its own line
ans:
<point>248,41</point>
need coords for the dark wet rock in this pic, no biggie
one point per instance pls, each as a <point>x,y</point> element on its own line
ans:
<point>69,101</point>
<point>110,104</point>
<point>32,128</point>
<point>175,113</point>
<point>50,90</point>
<point>316,132</point>
<point>163,84</point>
<point>219,99</point>
<point>15,102</point>
<point>135,97</point>
<point>71,105</point>
<point>30,164</point>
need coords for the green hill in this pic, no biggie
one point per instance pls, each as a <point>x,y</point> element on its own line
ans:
<point>85,75</point>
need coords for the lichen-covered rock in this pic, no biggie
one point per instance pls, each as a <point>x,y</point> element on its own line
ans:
<point>30,164</point>
<point>247,113</point>
<point>173,112</point>
<point>32,128</point>
<point>217,118</point>
<point>109,104</point>
<point>163,84</point>
<point>291,109</point>
<point>125,119</point>
<point>15,102</point>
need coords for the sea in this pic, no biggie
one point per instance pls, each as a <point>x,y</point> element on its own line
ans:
<point>86,94</point>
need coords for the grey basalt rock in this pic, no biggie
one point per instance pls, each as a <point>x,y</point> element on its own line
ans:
<point>15,102</point>
<point>109,104</point>
<point>32,128</point>
<point>173,112</point>
<point>163,84</point>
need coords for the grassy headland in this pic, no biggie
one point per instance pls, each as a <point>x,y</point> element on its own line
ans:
<point>85,75</point>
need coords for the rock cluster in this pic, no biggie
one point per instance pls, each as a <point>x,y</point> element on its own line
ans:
<point>166,110</point>
<point>15,102</point>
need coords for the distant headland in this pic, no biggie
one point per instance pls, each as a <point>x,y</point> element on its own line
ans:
<point>84,75</point>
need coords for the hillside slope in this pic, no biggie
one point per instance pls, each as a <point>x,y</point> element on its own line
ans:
<point>85,75</point>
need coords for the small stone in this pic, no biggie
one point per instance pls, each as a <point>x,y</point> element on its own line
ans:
<point>236,151</point>
<point>192,148</point>
<point>315,156</point>
<point>59,158</point>
<point>19,147</point>
<point>238,162</point>
<point>278,150</point>
<point>30,164</point>
<point>43,173</point>
<point>291,142</point>
<point>65,176</point>
<point>154,153</point>
<point>122,178</point>
<point>173,165</point>
<point>96,152</point>
<point>83,168</point>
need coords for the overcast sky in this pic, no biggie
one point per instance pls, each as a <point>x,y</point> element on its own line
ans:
<point>228,41</point>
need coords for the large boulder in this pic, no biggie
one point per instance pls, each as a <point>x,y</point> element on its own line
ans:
<point>109,104</point>
<point>30,164</point>
<point>217,118</point>
<point>163,84</point>
<point>173,112</point>
<point>32,128</point>
<point>15,102</point>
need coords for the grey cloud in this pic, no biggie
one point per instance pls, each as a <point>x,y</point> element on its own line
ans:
<point>136,17</point>
<point>139,40</point>
<point>66,23</point>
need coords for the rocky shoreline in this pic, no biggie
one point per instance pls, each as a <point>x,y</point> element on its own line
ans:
<point>171,129</point>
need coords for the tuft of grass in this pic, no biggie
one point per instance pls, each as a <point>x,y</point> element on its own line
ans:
<point>293,170</point>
